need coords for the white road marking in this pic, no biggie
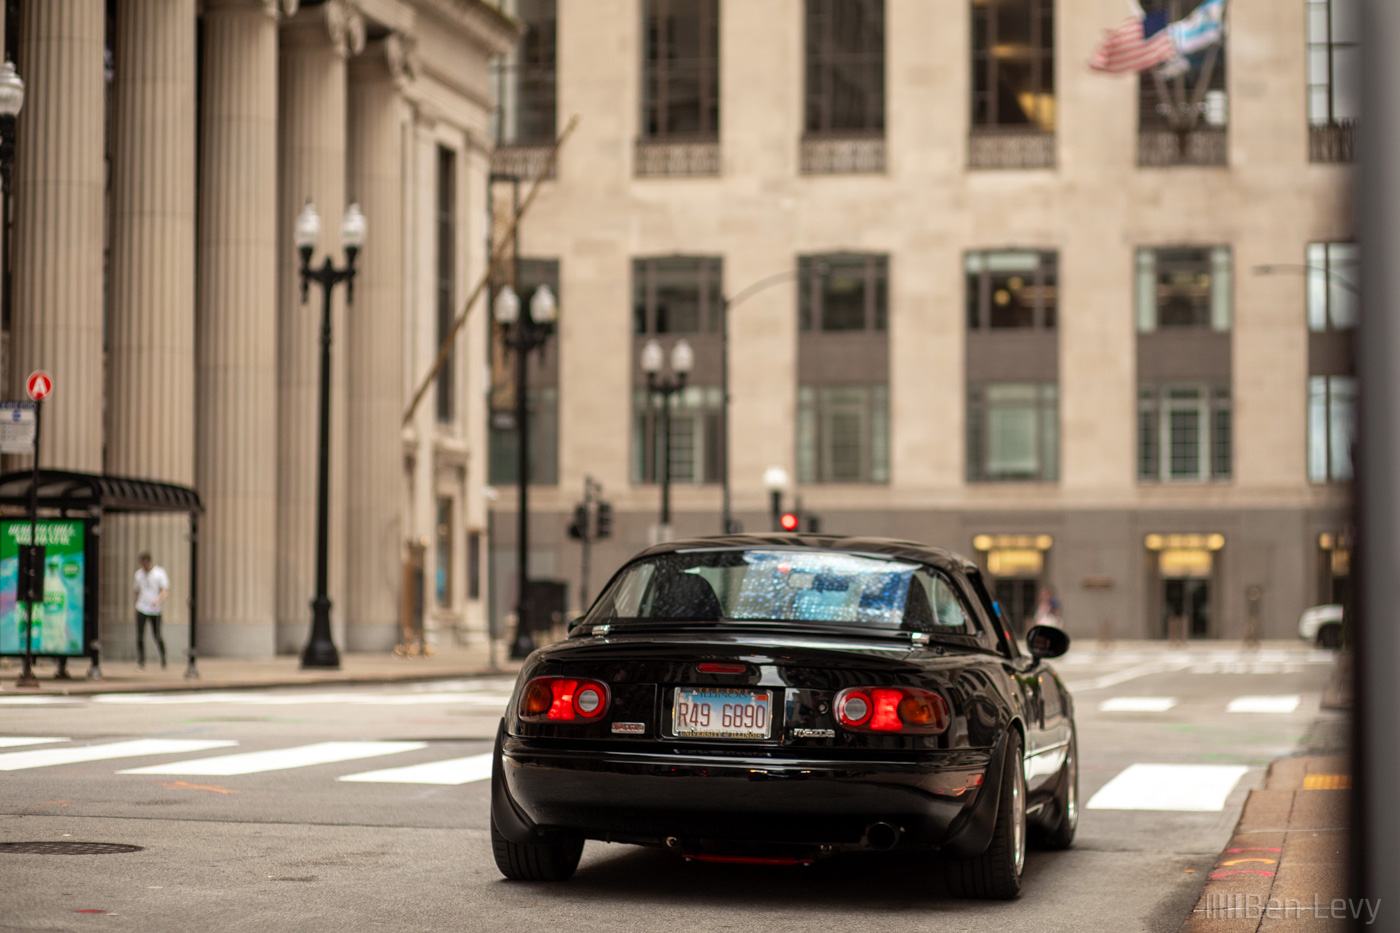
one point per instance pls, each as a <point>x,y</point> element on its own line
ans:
<point>35,701</point>
<point>1273,704</point>
<point>1137,704</point>
<point>12,741</point>
<point>281,759</point>
<point>1199,788</point>
<point>453,771</point>
<point>1132,673</point>
<point>473,698</point>
<point>135,748</point>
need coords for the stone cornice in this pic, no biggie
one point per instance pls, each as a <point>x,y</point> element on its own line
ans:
<point>484,23</point>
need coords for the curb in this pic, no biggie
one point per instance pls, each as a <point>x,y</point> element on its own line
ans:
<point>1286,858</point>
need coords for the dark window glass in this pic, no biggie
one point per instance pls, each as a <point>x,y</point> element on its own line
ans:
<point>1013,432</point>
<point>446,273</point>
<point>843,292</point>
<point>525,90</point>
<point>1009,289</point>
<point>845,66</point>
<point>541,397</point>
<point>1334,61</point>
<point>1184,432</point>
<point>680,68</point>
<point>696,416</point>
<point>1013,63</point>
<point>843,434</point>
<point>676,294</point>
<point>1184,287</point>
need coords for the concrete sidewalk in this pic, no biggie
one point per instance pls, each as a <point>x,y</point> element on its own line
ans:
<point>446,662</point>
<point>1285,866</point>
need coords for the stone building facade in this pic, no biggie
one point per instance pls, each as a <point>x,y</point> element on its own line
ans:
<point>164,150</point>
<point>1091,330</point>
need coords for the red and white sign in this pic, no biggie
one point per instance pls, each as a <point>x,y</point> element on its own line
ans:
<point>39,384</point>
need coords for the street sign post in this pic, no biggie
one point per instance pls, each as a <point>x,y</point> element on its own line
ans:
<point>39,385</point>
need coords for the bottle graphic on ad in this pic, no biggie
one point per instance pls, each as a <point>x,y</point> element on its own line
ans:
<point>53,636</point>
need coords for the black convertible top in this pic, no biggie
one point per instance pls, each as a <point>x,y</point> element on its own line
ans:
<point>887,547</point>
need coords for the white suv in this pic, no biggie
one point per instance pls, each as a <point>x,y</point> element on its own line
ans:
<point>1322,625</point>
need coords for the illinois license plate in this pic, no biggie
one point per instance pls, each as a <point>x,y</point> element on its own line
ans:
<point>722,713</point>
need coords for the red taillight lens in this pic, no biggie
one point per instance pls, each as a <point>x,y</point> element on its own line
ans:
<point>720,667</point>
<point>563,699</point>
<point>903,710</point>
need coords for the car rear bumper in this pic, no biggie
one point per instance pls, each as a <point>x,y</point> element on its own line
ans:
<point>946,799</point>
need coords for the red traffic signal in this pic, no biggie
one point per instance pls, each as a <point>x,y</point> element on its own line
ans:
<point>788,521</point>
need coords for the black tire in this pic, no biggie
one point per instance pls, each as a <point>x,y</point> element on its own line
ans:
<point>1063,817</point>
<point>996,873</point>
<point>1329,636</point>
<point>545,861</point>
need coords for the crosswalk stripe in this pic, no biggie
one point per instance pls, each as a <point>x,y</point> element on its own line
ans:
<point>281,759</point>
<point>452,771</point>
<point>1137,704</point>
<point>135,748</point>
<point>340,699</point>
<point>1169,787</point>
<point>1266,704</point>
<point>13,741</point>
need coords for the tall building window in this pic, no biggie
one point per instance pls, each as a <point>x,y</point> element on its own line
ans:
<point>1011,289</point>
<point>1013,84</point>
<point>677,295</point>
<point>1187,287</point>
<point>680,69</point>
<point>843,291</point>
<point>442,573</point>
<point>1013,432</point>
<point>843,434</point>
<point>844,112</point>
<point>446,276</point>
<point>1183,119</point>
<point>1184,432</point>
<point>696,421</point>
<point>541,396</point>
<point>1331,427</point>
<point>1333,279</point>
<point>525,78</point>
<point>1334,78</point>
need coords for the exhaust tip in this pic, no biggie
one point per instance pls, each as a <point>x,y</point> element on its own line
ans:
<point>881,837</point>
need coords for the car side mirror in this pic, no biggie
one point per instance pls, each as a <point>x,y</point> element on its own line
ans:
<point>1046,641</point>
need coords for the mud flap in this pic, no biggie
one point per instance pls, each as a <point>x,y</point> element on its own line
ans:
<point>507,817</point>
<point>971,831</point>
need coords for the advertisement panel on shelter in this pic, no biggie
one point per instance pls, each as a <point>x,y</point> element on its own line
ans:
<point>58,620</point>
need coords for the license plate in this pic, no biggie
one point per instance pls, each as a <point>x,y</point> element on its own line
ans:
<point>722,713</point>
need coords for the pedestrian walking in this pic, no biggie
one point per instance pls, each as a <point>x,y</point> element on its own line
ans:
<point>1047,609</point>
<point>152,587</point>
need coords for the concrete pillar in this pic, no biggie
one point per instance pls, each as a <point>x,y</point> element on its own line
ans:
<point>374,344</point>
<point>311,164</point>
<point>150,333</point>
<point>59,177</point>
<point>236,452</point>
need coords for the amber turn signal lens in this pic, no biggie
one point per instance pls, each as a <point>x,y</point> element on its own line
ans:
<point>916,711</point>
<point>538,698</point>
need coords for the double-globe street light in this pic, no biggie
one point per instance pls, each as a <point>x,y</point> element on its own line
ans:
<point>320,650</point>
<point>524,333</point>
<point>653,359</point>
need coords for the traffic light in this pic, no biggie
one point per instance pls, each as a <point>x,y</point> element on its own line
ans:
<point>814,524</point>
<point>604,520</point>
<point>788,521</point>
<point>578,528</point>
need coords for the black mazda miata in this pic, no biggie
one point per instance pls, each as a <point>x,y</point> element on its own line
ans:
<point>774,699</point>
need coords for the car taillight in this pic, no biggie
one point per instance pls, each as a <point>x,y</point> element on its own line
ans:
<point>904,710</point>
<point>563,699</point>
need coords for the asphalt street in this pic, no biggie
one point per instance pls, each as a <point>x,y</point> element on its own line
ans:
<point>365,808</point>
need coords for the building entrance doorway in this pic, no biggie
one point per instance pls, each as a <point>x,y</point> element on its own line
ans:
<point>1016,597</point>
<point>1186,608</point>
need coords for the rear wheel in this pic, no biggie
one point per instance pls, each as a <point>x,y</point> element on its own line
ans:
<point>1059,832</point>
<point>996,873</point>
<point>545,861</point>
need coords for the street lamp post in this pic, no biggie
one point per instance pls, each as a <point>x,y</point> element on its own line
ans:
<point>775,480</point>
<point>524,333</point>
<point>320,651</point>
<point>682,359</point>
<point>819,270</point>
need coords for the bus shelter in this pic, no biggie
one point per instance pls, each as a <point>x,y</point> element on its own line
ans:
<point>71,507</point>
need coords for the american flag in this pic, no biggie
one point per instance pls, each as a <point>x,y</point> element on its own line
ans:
<point>1126,49</point>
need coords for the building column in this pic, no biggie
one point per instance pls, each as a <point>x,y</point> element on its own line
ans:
<point>311,164</point>
<point>374,345</point>
<point>150,333</point>
<point>59,177</point>
<point>236,450</point>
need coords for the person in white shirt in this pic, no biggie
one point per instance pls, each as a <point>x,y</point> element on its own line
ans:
<point>152,587</point>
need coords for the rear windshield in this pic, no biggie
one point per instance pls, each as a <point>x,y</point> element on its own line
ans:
<point>778,585</point>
